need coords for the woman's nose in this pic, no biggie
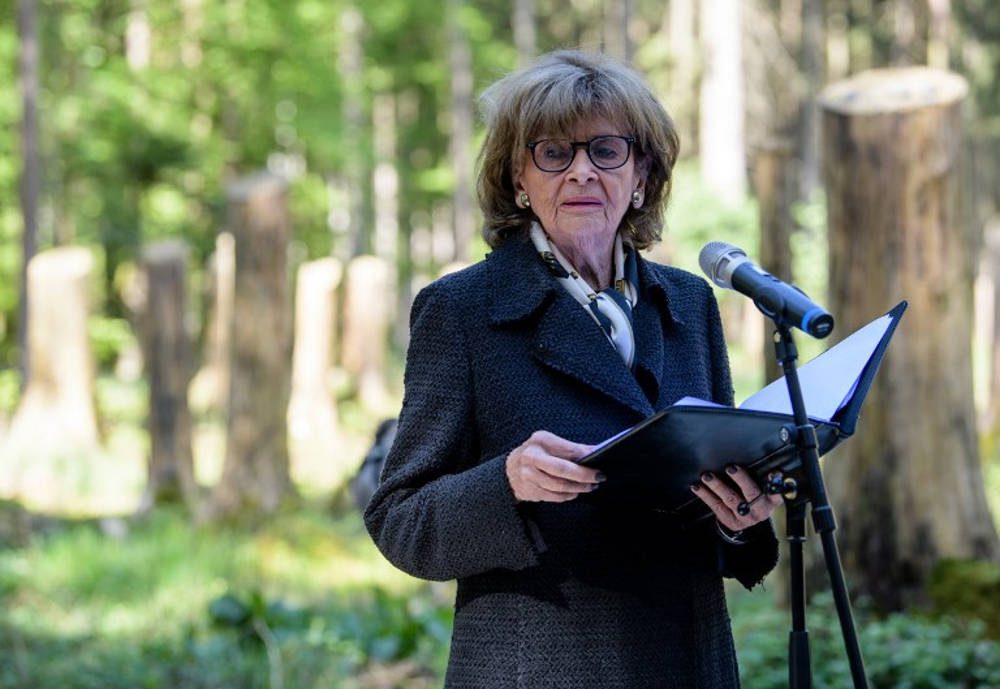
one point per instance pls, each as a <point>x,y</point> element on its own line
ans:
<point>581,169</point>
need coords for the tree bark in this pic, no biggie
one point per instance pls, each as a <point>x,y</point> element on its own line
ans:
<point>210,387</point>
<point>27,25</point>
<point>774,186</point>
<point>357,239</point>
<point>723,154</point>
<point>524,30</point>
<point>255,476</point>
<point>684,65</point>
<point>991,424</point>
<point>385,181</point>
<point>938,50</point>
<point>56,416</point>
<point>312,411</point>
<point>166,351</point>
<point>908,489</point>
<point>367,319</point>
<point>813,69</point>
<point>615,29</point>
<point>461,132</point>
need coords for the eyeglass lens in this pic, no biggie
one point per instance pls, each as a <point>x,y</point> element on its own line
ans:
<point>555,155</point>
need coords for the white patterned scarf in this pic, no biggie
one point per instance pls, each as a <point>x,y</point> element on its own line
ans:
<point>610,308</point>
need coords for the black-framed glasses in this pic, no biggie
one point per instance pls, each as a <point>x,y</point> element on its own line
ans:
<point>605,152</point>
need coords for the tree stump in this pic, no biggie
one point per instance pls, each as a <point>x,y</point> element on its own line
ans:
<point>210,387</point>
<point>312,413</point>
<point>166,351</point>
<point>367,319</point>
<point>774,186</point>
<point>908,488</point>
<point>255,475</point>
<point>56,419</point>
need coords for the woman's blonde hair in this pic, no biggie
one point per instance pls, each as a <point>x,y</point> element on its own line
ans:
<point>557,92</point>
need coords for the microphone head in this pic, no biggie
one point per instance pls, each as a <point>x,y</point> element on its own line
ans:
<point>716,257</point>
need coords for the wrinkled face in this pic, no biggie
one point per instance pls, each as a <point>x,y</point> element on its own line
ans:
<point>582,204</point>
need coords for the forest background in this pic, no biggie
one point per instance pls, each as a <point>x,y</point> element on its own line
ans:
<point>150,111</point>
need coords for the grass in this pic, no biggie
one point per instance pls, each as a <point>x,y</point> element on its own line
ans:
<point>143,604</point>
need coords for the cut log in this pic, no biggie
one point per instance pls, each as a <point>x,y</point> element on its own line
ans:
<point>908,489</point>
<point>312,412</point>
<point>255,476</point>
<point>56,419</point>
<point>166,351</point>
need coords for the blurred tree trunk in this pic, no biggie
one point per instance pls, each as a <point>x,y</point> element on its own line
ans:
<point>166,351</point>
<point>210,387</point>
<point>723,154</point>
<point>907,33</point>
<point>138,36</point>
<point>385,180</point>
<point>524,30</point>
<point>991,259</point>
<point>312,411</point>
<point>813,68</point>
<point>908,489</point>
<point>56,417</point>
<point>27,25</point>
<point>684,65</point>
<point>350,63</point>
<point>774,186</point>
<point>366,330</point>
<point>255,476</point>
<point>615,28</point>
<point>939,35</point>
<point>790,21</point>
<point>461,131</point>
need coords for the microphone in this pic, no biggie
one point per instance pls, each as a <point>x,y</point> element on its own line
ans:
<point>728,266</point>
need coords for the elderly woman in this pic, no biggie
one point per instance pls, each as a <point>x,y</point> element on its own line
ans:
<point>517,365</point>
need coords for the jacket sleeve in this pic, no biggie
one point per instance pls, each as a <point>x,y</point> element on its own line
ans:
<point>439,512</point>
<point>750,562</point>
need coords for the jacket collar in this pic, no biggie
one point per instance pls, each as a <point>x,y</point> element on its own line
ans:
<point>528,284</point>
<point>530,292</point>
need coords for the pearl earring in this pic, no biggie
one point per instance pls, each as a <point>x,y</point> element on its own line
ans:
<point>523,201</point>
<point>637,199</point>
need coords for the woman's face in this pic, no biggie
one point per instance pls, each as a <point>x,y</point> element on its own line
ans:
<point>583,204</point>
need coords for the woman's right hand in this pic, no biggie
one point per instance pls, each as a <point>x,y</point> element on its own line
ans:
<point>544,469</point>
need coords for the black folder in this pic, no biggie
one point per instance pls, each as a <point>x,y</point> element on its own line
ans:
<point>654,463</point>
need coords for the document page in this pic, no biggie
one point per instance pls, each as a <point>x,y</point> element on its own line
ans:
<point>828,380</point>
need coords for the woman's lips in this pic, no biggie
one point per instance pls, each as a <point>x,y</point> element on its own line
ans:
<point>583,202</point>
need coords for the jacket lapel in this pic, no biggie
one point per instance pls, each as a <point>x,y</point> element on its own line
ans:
<point>566,339</point>
<point>651,320</point>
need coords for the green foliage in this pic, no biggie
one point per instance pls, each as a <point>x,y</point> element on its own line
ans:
<point>10,390</point>
<point>158,603</point>
<point>108,337</point>
<point>900,651</point>
<point>969,588</point>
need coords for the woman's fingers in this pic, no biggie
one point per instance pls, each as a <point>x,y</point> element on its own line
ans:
<point>737,508</point>
<point>543,468</point>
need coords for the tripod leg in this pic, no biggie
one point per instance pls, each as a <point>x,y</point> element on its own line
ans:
<point>799,662</point>
<point>843,603</point>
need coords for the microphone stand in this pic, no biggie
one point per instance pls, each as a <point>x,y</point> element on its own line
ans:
<point>796,495</point>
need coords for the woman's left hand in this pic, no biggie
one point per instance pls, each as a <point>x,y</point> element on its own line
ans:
<point>724,501</point>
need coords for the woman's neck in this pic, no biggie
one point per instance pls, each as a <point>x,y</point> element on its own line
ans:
<point>593,258</point>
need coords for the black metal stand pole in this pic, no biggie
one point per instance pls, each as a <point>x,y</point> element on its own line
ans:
<point>824,524</point>
<point>799,663</point>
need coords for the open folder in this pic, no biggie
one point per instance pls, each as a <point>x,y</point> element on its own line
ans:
<point>655,462</point>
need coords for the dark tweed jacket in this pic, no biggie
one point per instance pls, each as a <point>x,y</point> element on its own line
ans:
<point>580,594</point>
